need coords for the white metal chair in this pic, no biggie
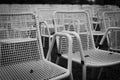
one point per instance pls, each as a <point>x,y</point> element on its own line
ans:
<point>46,24</point>
<point>84,50</point>
<point>45,32</point>
<point>112,19</point>
<point>21,50</point>
<point>112,35</point>
<point>100,17</point>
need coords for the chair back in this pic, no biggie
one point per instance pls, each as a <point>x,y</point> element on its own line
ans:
<point>80,21</point>
<point>46,15</point>
<point>114,40</point>
<point>112,19</point>
<point>19,38</point>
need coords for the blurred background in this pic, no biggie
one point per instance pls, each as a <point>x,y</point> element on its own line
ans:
<point>100,2</point>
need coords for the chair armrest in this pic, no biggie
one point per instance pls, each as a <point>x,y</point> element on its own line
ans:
<point>79,42</point>
<point>106,33</point>
<point>69,47</point>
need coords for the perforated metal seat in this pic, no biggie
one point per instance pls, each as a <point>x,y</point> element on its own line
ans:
<point>32,70</point>
<point>96,58</point>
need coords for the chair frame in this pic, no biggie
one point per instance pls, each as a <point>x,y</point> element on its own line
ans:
<point>68,70</point>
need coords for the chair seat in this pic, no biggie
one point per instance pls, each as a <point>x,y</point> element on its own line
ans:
<point>97,58</point>
<point>35,70</point>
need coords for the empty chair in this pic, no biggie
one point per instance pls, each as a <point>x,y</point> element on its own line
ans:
<point>21,51</point>
<point>45,32</point>
<point>112,19</point>
<point>84,50</point>
<point>112,35</point>
<point>46,25</point>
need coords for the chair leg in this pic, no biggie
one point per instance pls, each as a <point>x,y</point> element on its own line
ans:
<point>49,59</point>
<point>98,77</point>
<point>43,41</point>
<point>57,60</point>
<point>71,76</point>
<point>84,72</point>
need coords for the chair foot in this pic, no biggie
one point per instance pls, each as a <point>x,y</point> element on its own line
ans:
<point>57,60</point>
<point>84,73</point>
<point>71,77</point>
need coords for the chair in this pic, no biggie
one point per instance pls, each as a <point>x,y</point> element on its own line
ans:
<point>112,35</point>
<point>111,19</point>
<point>46,24</point>
<point>99,15</point>
<point>21,50</point>
<point>45,32</point>
<point>84,50</point>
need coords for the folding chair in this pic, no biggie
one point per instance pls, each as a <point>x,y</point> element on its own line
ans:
<point>21,50</point>
<point>112,19</point>
<point>84,50</point>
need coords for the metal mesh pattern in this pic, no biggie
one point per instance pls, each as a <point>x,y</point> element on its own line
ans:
<point>84,40</point>
<point>12,53</point>
<point>21,57</point>
<point>64,45</point>
<point>34,70</point>
<point>16,25</point>
<point>114,39</point>
<point>91,44</point>
<point>62,19</point>
<point>101,58</point>
<point>3,34</point>
<point>75,45</point>
<point>82,28</point>
<point>103,9</point>
<point>46,15</point>
<point>112,19</point>
<point>15,30</point>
